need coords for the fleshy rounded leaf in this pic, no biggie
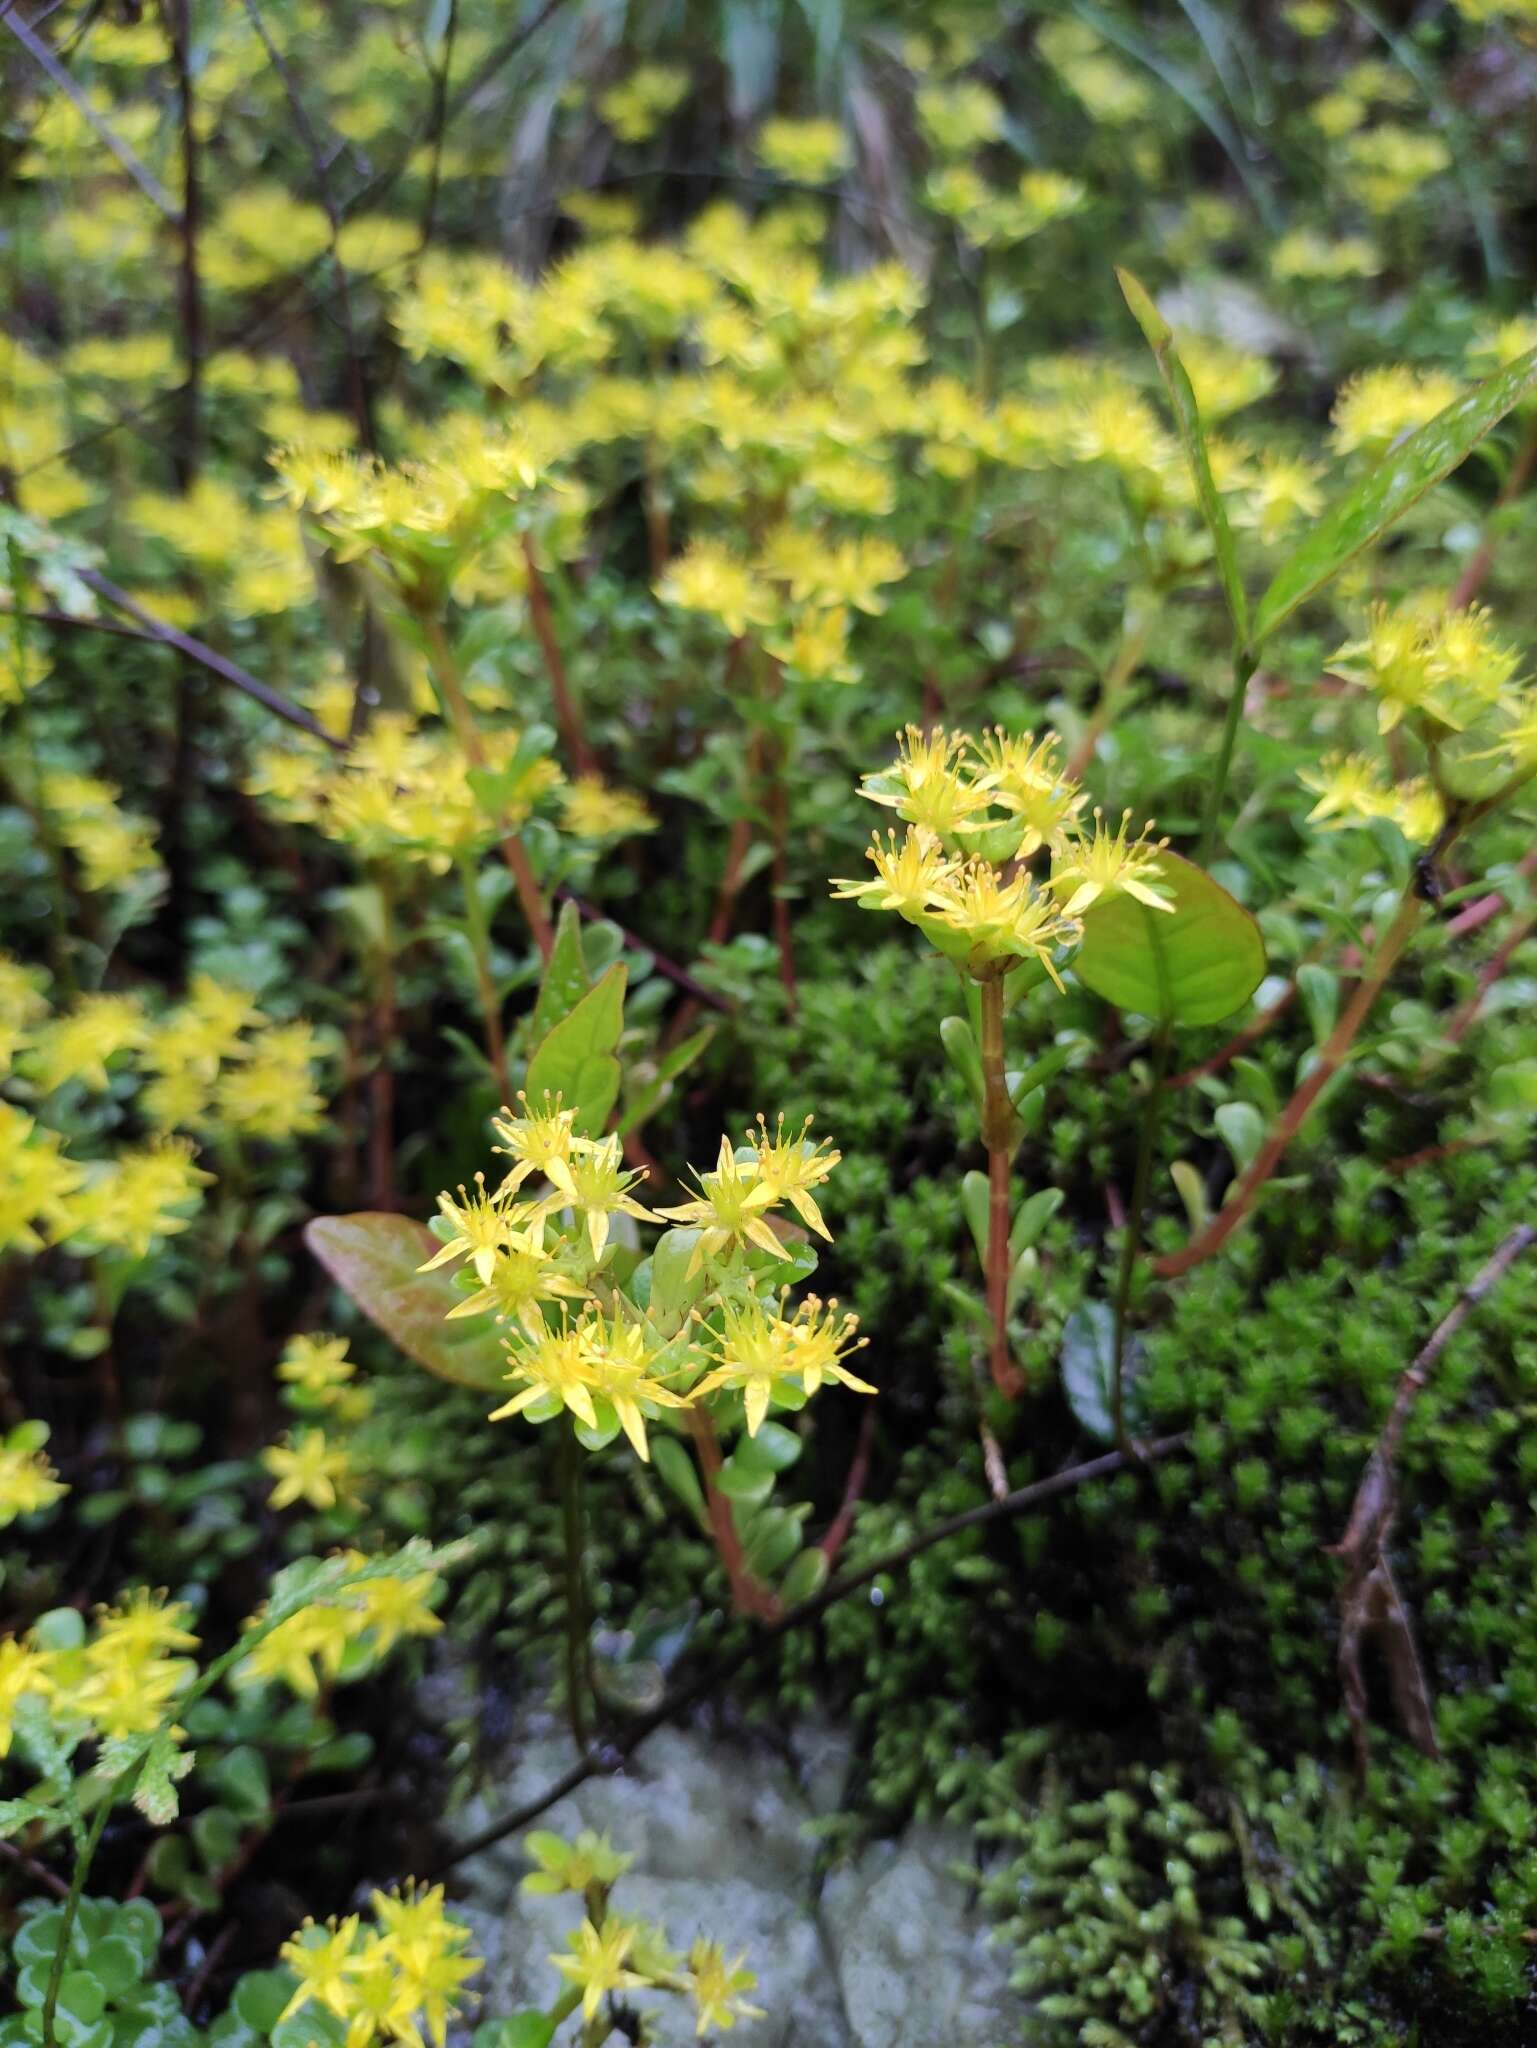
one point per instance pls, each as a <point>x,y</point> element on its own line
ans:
<point>1193,965</point>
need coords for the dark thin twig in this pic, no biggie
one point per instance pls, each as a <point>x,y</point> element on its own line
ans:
<point>46,62</point>
<point>198,1983</point>
<point>207,657</point>
<point>176,16</point>
<point>682,1697</point>
<point>356,376</point>
<point>1370,1603</point>
<point>88,622</point>
<point>439,125</point>
<point>497,61</point>
<point>38,1872</point>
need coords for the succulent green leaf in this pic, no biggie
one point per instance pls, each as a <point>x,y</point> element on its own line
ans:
<point>1088,1370</point>
<point>959,1042</point>
<point>1193,965</point>
<point>975,1195</point>
<point>805,1578</point>
<point>675,1468</point>
<point>1241,1128</point>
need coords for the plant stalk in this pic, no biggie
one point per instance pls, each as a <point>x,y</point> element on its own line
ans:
<point>998,1135</point>
<point>1331,1058</point>
<point>748,1594</point>
<point>568,712</point>
<point>1244,665</point>
<point>1131,1236</point>
<point>478,932</point>
<point>514,852</point>
<point>574,1538</point>
<point>381,1082</point>
<point>120,1788</point>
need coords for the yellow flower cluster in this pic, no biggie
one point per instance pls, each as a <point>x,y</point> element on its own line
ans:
<point>260,233</point>
<point>538,1249</point>
<point>36,1182</point>
<point>315,1369</point>
<point>1353,790</point>
<point>28,1481</point>
<point>426,520</point>
<point>1301,254</point>
<point>975,812</point>
<point>1388,164</point>
<point>610,1953</point>
<point>118,1678</point>
<point>213,1062</point>
<point>401,1979</point>
<point>134,1200</point>
<point>112,847</point>
<point>1447,669</point>
<point>309,1468</point>
<point>1375,407</point>
<point>254,554</point>
<point>358,1627</point>
<point>128,1203</point>
<point>404,792</point>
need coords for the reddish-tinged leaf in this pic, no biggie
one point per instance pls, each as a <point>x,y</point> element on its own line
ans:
<point>373,1257</point>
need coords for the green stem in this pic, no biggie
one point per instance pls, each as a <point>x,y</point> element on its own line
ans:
<point>451,689</point>
<point>478,932</point>
<point>999,1134</point>
<point>120,1788</point>
<point>573,1532</point>
<point>1244,665</point>
<point>1131,1239</point>
<point>381,1082</point>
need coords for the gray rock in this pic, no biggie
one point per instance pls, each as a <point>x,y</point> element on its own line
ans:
<point>911,1952</point>
<point>886,1953</point>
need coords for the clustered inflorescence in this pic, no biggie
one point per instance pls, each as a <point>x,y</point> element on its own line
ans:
<point>538,1254</point>
<point>978,813</point>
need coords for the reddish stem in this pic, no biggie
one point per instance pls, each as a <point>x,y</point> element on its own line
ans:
<point>748,1594</point>
<point>859,1471</point>
<point>1464,1017</point>
<point>779,824</point>
<point>1471,581</point>
<point>1331,1058</point>
<point>568,715</point>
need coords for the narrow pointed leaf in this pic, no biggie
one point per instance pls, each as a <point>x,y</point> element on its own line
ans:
<point>1402,477</point>
<point>575,1060</point>
<point>566,979</point>
<point>1160,339</point>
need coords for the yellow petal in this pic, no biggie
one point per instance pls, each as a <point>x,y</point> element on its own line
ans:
<point>1148,896</point>
<point>633,1424</point>
<point>808,1212</point>
<point>579,1401</point>
<point>758,1233</point>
